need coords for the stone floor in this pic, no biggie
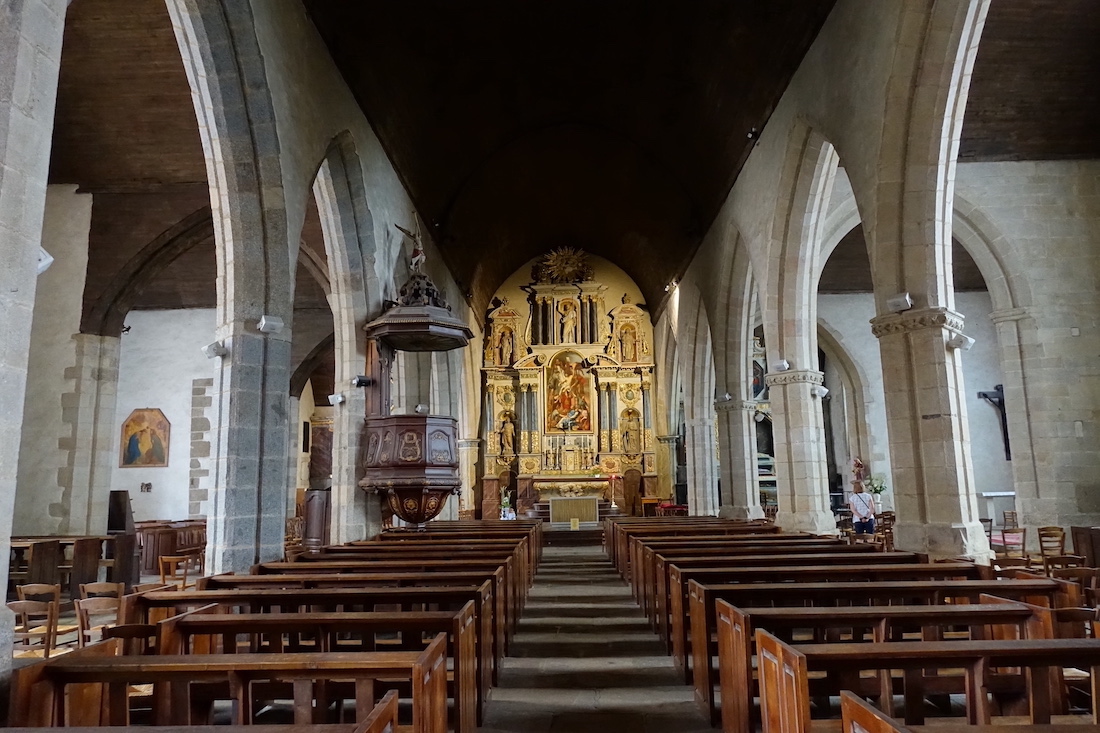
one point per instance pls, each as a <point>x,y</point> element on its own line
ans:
<point>584,659</point>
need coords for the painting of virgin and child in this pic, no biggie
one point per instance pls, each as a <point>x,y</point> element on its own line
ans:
<point>568,394</point>
<point>144,439</point>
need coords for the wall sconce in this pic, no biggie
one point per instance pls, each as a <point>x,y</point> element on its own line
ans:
<point>361,381</point>
<point>270,324</point>
<point>960,341</point>
<point>421,409</point>
<point>214,350</point>
<point>819,390</point>
<point>726,397</point>
<point>336,399</point>
<point>899,303</point>
<point>759,417</point>
<point>45,259</point>
<point>781,366</point>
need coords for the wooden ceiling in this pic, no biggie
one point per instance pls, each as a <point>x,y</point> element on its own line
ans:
<point>1035,91</point>
<point>613,126</point>
<point>848,269</point>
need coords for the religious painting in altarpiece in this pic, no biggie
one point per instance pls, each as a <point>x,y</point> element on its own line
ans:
<point>569,394</point>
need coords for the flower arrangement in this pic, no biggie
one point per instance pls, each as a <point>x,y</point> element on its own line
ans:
<point>875,485</point>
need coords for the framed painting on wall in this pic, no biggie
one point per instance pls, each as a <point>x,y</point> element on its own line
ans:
<point>144,442</point>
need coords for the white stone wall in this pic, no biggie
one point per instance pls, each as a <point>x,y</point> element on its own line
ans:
<point>1042,222</point>
<point>44,473</point>
<point>847,315</point>
<point>160,359</point>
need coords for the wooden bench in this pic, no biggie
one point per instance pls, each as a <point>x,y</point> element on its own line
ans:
<point>101,681</point>
<point>520,546</point>
<point>678,624</point>
<point>151,607</point>
<point>617,538</point>
<point>205,632</point>
<point>511,601</point>
<point>636,544</point>
<point>736,628</point>
<point>859,717</point>
<point>642,568</point>
<point>382,719</point>
<point>784,673</point>
<point>715,566</point>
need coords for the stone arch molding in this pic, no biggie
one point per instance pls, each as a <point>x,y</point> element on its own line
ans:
<point>237,126</point>
<point>108,314</point>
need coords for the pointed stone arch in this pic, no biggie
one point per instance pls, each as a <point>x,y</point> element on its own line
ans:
<point>347,226</point>
<point>226,72</point>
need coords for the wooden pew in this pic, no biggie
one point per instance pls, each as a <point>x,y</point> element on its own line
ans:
<point>511,599</point>
<point>617,530</point>
<point>617,539</point>
<point>736,628</point>
<point>636,544</point>
<point>643,553</point>
<point>859,717</point>
<point>662,590</point>
<point>784,672</point>
<point>520,544</point>
<point>680,626</point>
<point>518,549</point>
<point>150,607</point>
<point>42,688</point>
<point>328,632</point>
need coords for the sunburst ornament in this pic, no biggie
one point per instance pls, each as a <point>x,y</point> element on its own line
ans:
<point>564,265</point>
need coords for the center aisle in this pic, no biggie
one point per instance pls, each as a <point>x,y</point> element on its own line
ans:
<point>584,659</point>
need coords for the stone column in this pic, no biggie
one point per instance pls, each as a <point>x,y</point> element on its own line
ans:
<point>666,465</point>
<point>737,444</point>
<point>702,473</point>
<point>800,467</point>
<point>30,56</point>
<point>468,454</point>
<point>248,508</point>
<point>349,505</point>
<point>934,494</point>
<point>91,415</point>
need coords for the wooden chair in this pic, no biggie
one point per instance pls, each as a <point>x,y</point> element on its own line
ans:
<point>35,630</point>
<point>1011,521</point>
<point>102,590</point>
<point>1052,545</point>
<point>770,511</point>
<point>1087,578</point>
<point>987,525</point>
<point>50,592</point>
<point>1014,542</point>
<point>93,615</point>
<point>1005,567</point>
<point>173,569</point>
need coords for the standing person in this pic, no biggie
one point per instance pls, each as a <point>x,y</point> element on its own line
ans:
<point>862,505</point>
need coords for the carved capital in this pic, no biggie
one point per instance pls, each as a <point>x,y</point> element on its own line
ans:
<point>727,405</point>
<point>916,320</point>
<point>794,376</point>
<point>667,439</point>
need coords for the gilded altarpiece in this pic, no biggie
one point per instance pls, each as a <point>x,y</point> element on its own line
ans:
<point>568,380</point>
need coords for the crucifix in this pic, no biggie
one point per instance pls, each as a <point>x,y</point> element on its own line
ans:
<point>996,397</point>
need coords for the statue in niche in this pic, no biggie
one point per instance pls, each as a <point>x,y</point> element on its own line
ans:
<point>507,435</point>
<point>506,347</point>
<point>629,343</point>
<point>630,431</point>
<point>568,311</point>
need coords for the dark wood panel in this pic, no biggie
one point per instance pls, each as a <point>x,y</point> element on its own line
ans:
<point>1034,94</point>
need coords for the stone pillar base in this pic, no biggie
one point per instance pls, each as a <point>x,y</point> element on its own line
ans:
<point>816,521</point>
<point>741,512</point>
<point>943,540</point>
